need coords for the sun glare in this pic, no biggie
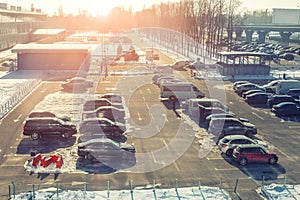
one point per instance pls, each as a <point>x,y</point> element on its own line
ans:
<point>99,8</point>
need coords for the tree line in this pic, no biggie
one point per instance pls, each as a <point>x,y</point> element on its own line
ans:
<point>208,22</point>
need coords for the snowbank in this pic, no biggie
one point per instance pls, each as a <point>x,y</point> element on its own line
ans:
<point>277,191</point>
<point>204,192</point>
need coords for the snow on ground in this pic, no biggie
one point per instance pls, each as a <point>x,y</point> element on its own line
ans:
<point>281,192</point>
<point>207,193</point>
<point>54,104</point>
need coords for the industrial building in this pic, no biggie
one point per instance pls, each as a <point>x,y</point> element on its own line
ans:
<point>53,57</point>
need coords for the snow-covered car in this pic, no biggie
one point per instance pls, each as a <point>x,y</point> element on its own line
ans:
<point>44,113</point>
<point>180,65</point>
<point>102,126</point>
<point>228,143</point>
<point>105,150</point>
<point>113,97</point>
<point>78,83</point>
<point>238,83</point>
<point>223,115</point>
<point>246,87</point>
<point>90,105</point>
<point>110,112</point>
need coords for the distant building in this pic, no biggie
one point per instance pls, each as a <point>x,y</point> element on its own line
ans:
<point>52,57</point>
<point>16,25</point>
<point>243,63</point>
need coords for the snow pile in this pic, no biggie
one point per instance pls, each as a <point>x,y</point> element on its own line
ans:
<point>277,191</point>
<point>204,192</point>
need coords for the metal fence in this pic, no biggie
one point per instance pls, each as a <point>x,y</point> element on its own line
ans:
<point>18,95</point>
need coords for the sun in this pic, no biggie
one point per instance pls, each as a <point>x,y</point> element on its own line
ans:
<point>99,8</point>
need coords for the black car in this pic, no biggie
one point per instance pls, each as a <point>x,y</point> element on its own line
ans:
<point>39,127</point>
<point>90,105</point>
<point>231,126</point>
<point>258,98</point>
<point>223,115</point>
<point>295,93</point>
<point>244,94</point>
<point>113,97</point>
<point>276,99</point>
<point>78,83</point>
<point>101,126</point>
<point>111,112</point>
<point>41,113</point>
<point>106,151</point>
<point>286,109</point>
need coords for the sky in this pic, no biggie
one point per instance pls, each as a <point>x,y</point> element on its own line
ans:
<point>103,7</point>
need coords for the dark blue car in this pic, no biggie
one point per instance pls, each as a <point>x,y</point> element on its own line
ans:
<point>258,98</point>
<point>286,109</point>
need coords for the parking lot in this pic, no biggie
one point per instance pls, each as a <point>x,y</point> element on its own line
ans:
<point>171,147</point>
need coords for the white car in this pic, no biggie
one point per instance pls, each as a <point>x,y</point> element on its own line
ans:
<point>228,143</point>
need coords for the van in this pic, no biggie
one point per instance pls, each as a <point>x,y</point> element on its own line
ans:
<point>284,85</point>
<point>192,105</point>
<point>180,90</point>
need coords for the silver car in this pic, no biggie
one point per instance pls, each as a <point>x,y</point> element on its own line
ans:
<point>228,143</point>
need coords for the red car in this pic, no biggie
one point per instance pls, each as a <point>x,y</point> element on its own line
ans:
<point>243,154</point>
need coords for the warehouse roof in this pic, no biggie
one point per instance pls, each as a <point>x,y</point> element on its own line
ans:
<point>51,48</point>
<point>48,31</point>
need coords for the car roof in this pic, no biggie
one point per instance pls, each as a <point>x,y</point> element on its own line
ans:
<point>43,119</point>
<point>259,93</point>
<point>225,118</point>
<point>249,146</point>
<point>221,115</point>
<point>294,89</point>
<point>234,137</point>
<point>285,103</point>
<point>97,140</point>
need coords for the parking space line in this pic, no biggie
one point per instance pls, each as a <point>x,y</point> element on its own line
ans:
<point>292,127</point>
<point>18,118</point>
<point>257,116</point>
<point>139,116</point>
<point>16,155</point>
<point>158,129</point>
<point>165,143</point>
<point>208,158</point>
<point>226,169</point>
<point>152,154</point>
<point>176,166</point>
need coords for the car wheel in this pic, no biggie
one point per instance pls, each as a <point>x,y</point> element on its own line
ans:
<point>243,161</point>
<point>249,134</point>
<point>35,136</point>
<point>273,160</point>
<point>229,152</point>
<point>65,135</point>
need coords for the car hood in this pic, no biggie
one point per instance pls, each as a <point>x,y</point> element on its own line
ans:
<point>127,146</point>
<point>248,124</point>
<point>262,143</point>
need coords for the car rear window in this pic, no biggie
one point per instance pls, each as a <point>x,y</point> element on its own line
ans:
<point>225,140</point>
